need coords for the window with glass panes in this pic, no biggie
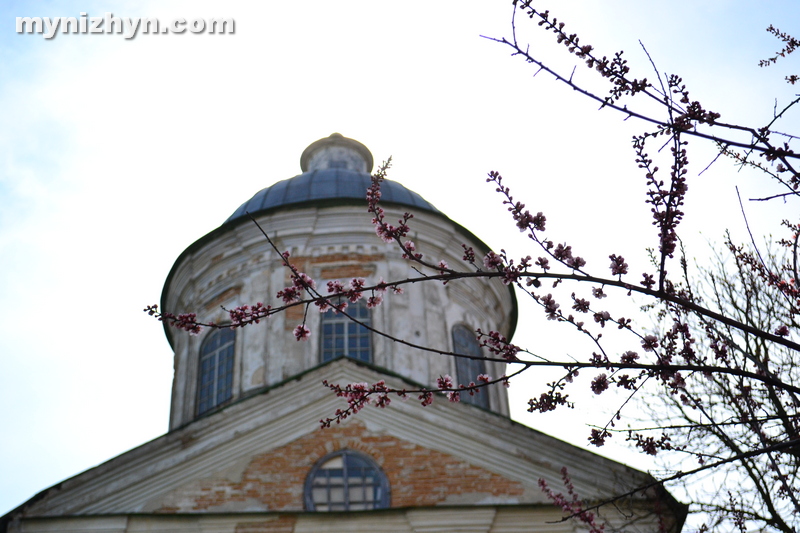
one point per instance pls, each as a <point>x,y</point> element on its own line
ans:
<point>467,370</point>
<point>215,384</point>
<point>341,337</point>
<point>346,481</point>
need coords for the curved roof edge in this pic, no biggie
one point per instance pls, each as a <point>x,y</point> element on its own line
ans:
<point>234,222</point>
<point>328,184</point>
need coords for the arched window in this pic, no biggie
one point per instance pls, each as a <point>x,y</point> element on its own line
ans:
<point>341,337</point>
<point>467,370</point>
<point>346,481</point>
<point>215,383</point>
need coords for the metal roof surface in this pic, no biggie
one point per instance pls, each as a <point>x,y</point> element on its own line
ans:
<point>328,184</point>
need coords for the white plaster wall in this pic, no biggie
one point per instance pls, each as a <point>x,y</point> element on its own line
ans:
<point>239,267</point>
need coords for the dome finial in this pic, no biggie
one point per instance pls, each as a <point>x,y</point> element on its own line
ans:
<point>336,151</point>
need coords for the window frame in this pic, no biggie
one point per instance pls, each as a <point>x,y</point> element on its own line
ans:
<point>347,330</point>
<point>221,369</point>
<point>383,499</point>
<point>465,366</point>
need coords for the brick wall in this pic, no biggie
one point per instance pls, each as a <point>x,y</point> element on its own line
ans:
<point>417,476</point>
<point>339,266</point>
<point>283,524</point>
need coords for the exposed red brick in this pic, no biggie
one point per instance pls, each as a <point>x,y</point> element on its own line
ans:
<point>417,476</point>
<point>294,315</point>
<point>284,524</point>
<point>341,258</point>
<point>346,272</point>
<point>222,298</point>
<point>340,265</point>
<point>355,266</point>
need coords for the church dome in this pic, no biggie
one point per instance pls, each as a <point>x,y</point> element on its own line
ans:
<point>320,217</point>
<point>245,450</point>
<point>335,169</point>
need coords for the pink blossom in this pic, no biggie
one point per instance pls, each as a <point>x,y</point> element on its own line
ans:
<point>335,287</point>
<point>618,265</point>
<point>426,398</point>
<point>469,254</point>
<point>550,307</point>
<point>289,295</point>
<point>380,393</point>
<point>576,262</point>
<point>598,293</point>
<point>381,286</point>
<point>650,343</point>
<point>492,261</point>
<point>381,400</point>
<point>562,252</point>
<point>548,401</point>
<point>677,381</point>
<point>184,321</point>
<point>511,275</point>
<point>626,382</point>
<point>302,281</point>
<point>444,382</point>
<point>602,317</point>
<point>598,437</point>
<point>383,233</point>
<point>580,305</point>
<point>599,384</point>
<point>523,219</point>
<point>538,221</point>
<point>374,301</point>
<point>356,289</point>
<point>302,333</point>
<point>245,314</point>
<point>543,263</point>
<point>498,345</point>
<point>598,359</point>
<point>354,296</point>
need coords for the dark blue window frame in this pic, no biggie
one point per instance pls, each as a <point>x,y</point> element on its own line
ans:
<point>468,370</point>
<point>215,375</point>
<point>341,337</point>
<point>346,481</point>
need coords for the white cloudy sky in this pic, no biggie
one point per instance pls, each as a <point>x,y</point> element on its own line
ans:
<point>117,154</point>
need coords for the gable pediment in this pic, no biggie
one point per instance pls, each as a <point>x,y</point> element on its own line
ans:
<point>253,456</point>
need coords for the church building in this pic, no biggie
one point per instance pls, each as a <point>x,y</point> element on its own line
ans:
<point>245,451</point>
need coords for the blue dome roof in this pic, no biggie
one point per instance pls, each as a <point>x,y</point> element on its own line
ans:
<point>329,184</point>
<point>335,170</point>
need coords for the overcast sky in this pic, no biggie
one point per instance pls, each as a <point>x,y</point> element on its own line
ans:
<point>116,154</point>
